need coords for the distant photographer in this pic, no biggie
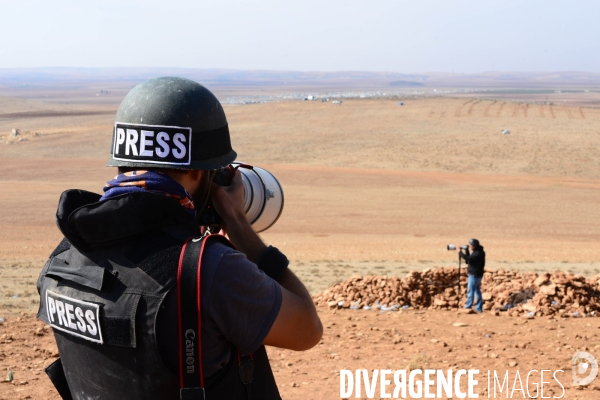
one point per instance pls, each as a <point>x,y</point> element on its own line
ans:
<point>475,259</point>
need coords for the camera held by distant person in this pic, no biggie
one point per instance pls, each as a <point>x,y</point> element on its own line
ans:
<point>453,247</point>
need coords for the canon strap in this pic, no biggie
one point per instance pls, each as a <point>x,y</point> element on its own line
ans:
<point>191,378</point>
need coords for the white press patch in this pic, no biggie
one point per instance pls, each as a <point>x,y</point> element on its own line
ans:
<point>77,317</point>
<point>155,144</point>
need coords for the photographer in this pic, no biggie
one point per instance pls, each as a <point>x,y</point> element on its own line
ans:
<point>111,289</point>
<point>475,259</point>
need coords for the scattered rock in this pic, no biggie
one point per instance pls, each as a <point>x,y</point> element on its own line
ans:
<point>512,363</point>
<point>549,289</point>
<point>460,324</point>
<point>15,132</point>
<point>542,279</point>
<point>560,293</point>
<point>577,386</point>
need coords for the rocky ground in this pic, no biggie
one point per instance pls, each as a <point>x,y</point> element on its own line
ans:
<point>359,339</point>
<point>383,193</point>
<point>518,293</point>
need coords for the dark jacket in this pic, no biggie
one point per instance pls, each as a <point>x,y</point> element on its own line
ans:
<point>475,261</point>
<point>105,292</point>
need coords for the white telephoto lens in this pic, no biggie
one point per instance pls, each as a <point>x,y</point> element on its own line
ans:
<point>263,197</point>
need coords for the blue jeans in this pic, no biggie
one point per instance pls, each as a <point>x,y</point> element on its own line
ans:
<point>474,288</point>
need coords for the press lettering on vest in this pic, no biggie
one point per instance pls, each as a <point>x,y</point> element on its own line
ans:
<point>154,144</point>
<point>70,317</point>
<point>80,321</point>
<point>67,314</point>
<point>190,335</point>
<point>89,316</point>
<point>60,310</point>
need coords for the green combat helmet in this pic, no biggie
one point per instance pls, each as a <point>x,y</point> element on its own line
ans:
<point>171,123</point>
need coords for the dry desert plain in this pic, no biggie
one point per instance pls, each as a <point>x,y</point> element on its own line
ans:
<point>371,188</point>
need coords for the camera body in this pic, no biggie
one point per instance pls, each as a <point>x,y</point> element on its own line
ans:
<point>263,196</point>
<point>453,247</point>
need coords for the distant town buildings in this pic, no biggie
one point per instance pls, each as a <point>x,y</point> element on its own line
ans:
<point>330,96</point>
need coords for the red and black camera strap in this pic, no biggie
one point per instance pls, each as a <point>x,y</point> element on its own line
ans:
<point>189,311</point>
<point>191,378</point>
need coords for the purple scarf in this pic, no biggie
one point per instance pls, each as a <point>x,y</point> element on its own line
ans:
<point>155,182</point>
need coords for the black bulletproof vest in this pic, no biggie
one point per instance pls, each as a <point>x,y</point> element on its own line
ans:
<point>103,305</point>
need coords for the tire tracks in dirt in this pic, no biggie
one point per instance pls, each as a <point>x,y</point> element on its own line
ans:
<point>516,110</point>
<point>500,109</point>
<point>459,109</point>
<point>470,110</point>
<point>486,111</point>
<point>568,112</point>
<point>581,114</point>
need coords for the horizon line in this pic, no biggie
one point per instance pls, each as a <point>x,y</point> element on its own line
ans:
<point>302,71</point>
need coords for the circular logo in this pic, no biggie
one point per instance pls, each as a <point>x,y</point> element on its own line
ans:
<point>585,368</point>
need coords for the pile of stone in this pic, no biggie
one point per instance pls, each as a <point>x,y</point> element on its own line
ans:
<point>515,293</point>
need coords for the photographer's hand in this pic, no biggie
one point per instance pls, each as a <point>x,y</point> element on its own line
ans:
<point>297,325</point>
<point>229,204</point>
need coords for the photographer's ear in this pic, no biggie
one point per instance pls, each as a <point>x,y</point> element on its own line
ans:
<point>195,175</point>
<point>189,179</point>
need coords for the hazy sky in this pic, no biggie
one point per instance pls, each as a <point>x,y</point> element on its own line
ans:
<point>326,35</point>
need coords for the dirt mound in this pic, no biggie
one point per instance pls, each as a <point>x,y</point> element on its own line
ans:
<point>518,293</point>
